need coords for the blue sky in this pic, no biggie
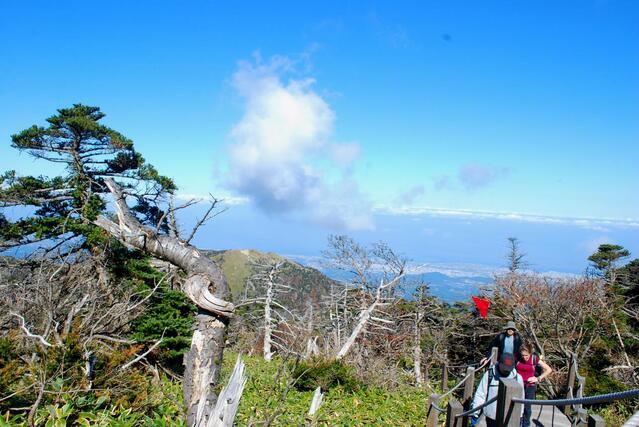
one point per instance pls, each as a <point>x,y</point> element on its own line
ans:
<point>440,127</point>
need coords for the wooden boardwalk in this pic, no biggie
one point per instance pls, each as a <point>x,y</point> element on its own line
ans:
<point>543,416</point>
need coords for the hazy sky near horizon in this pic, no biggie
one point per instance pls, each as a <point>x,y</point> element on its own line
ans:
<point>441,127</point>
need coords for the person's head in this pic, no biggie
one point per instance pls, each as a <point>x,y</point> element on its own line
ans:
<point>506,364</point>
<point>510,328</point>
<point>525,351</point>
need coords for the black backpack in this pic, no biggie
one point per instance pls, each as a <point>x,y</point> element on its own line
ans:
<point>538,368</point>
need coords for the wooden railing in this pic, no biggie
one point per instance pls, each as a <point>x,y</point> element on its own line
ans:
<point>576,413</point>
<point>509,403</point>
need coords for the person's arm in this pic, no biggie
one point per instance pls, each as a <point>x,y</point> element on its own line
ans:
<point>546,370</point>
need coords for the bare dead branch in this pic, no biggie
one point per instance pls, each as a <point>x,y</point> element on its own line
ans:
<point>28,333</point>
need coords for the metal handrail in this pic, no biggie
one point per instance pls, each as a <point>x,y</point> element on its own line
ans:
<point>588,400</point>
<point>482,406</point>
<point>583,400</point>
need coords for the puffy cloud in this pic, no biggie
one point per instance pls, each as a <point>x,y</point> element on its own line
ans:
<point>282,156</point>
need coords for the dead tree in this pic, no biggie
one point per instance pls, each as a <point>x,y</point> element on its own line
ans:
<point>312,349</point>
<point>226,407</point>
<point>367,315</point>
<point>427,326</point>
<point>366,266</point>
<point>276,319</point>
<point>417,318</point>
<point>204,284</point>
<point>342,306</point>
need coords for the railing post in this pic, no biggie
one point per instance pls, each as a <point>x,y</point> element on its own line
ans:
<point>579,393</point>
<point>580,416</point>
<point>572,375</point>
<point>508,412</point>
<point>469,386</point>
<point>632,421</point>
<point>445,377</point>
<point>570,384</point>
<point>432,414</point>
<point>454,408</point>
<point>596,421</point>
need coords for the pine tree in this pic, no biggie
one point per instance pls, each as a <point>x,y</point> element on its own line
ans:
<point>65,206</point>
<point>70,215</point>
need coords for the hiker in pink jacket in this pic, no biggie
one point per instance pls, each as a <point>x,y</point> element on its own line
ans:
<point>532,370</point>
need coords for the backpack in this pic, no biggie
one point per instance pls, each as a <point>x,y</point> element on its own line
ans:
<point>535,363</point>
<point>491,376</point>
<point>538,368</point>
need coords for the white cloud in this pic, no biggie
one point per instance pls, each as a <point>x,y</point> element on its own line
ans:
<point>281,141</point>
<point>596,224</point>
<point>344,155</point>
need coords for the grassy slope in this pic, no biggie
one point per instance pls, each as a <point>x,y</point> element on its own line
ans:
<point>402,407</point>
<point>236,265</point>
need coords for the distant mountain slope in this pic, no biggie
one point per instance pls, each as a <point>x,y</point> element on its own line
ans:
<point>305,281</point>
<point>453,284</point>
<point>310,281</point>
<point>450,289</point>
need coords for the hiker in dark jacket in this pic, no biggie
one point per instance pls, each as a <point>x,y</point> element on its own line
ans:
<point>508,341</point>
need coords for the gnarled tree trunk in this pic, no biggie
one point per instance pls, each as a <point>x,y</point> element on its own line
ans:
<point>205,285</point>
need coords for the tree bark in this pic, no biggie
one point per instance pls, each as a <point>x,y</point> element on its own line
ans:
<point>268,321</point>
<point>202,367</point>
<point>417,352</point>
<point>205,285</point>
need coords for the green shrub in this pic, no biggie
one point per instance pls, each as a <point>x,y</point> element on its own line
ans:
<point>167,311</point>
<point>326,374</point>
<point>6,351</point>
